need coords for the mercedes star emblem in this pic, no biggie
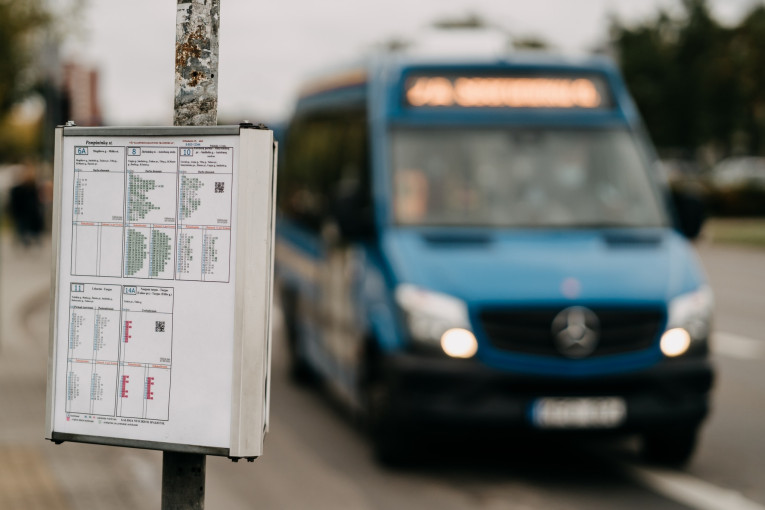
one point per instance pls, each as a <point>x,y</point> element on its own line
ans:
<point>575,331</point>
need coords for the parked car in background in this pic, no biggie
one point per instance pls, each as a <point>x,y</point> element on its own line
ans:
<point>739,172</point>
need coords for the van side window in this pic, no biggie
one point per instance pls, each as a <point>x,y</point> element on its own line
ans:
<point>311,147</point>
<point>326,172</point>
<point>351,192</point>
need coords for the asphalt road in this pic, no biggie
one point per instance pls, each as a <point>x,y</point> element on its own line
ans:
<point>317,458</point>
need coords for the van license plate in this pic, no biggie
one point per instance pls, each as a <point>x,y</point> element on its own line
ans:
<point>578,413</point>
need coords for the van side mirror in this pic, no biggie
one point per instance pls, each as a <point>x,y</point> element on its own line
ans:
<point>690,209</point>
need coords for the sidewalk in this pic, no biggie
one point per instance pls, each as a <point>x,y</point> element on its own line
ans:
<point>34,473</point>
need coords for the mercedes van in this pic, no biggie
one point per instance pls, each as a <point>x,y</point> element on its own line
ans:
<point>489,242</point>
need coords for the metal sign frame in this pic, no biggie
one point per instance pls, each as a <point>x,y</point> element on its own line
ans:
<point>251,276</point>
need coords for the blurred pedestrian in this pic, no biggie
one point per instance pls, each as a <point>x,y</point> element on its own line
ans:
<point>25,207</point>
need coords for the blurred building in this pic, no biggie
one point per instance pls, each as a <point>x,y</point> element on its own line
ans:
<point>81,91</point>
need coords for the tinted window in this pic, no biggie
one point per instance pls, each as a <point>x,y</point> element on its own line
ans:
<point>325,168</point>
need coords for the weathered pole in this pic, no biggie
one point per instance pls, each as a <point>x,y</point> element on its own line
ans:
<point>196,63</point>
<point>196,104</point>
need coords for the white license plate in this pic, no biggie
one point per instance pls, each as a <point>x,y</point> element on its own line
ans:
<point>578,413</point>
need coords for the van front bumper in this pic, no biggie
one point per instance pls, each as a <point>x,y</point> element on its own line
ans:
<point>426,391</point>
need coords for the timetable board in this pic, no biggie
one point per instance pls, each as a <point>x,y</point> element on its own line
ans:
<point>162,278</point>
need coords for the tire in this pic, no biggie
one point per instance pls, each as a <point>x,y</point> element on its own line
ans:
<point>388,434</point>
<point>671,448</point>
<point>299,370</point>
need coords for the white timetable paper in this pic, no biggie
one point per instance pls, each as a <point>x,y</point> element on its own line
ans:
<point>144,340</point>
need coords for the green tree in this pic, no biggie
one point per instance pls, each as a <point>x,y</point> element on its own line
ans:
<point>20,22</point>
<point>697,83</point>
<point>646,57</point>
<point>747,50</point>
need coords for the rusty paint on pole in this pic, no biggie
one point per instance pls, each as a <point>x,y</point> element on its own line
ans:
<point>196,63</point>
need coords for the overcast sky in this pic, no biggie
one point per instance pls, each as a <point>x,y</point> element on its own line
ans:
<point>268,48</point>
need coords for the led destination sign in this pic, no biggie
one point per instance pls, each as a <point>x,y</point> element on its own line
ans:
<point>564,92</point>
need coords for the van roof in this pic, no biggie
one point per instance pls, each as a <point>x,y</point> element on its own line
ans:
<point>394,62</point>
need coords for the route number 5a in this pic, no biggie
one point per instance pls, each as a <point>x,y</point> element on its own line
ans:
<point>81,151</point>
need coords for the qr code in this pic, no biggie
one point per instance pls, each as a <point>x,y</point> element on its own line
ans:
<point>159,326</point>
<point>219,187</point>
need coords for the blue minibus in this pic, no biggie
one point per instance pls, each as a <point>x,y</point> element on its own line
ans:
<point>488,242</point>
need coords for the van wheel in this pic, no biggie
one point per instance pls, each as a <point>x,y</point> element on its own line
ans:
<point>386,431</point>
<point>299,370</point>
<point>388,435</point>
<point>671,448</point>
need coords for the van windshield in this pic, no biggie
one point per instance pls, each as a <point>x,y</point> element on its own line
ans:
<point>522,178</point>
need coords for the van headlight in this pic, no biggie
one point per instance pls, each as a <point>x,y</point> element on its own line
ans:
<point>437,319</point>
<point>689,323</point>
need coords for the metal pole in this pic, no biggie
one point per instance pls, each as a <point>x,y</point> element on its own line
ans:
<point>196,104</point>
<point>196,63</point>
<point>183,481</point>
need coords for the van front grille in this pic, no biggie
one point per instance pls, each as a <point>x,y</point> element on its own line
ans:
<point>529,331</point>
